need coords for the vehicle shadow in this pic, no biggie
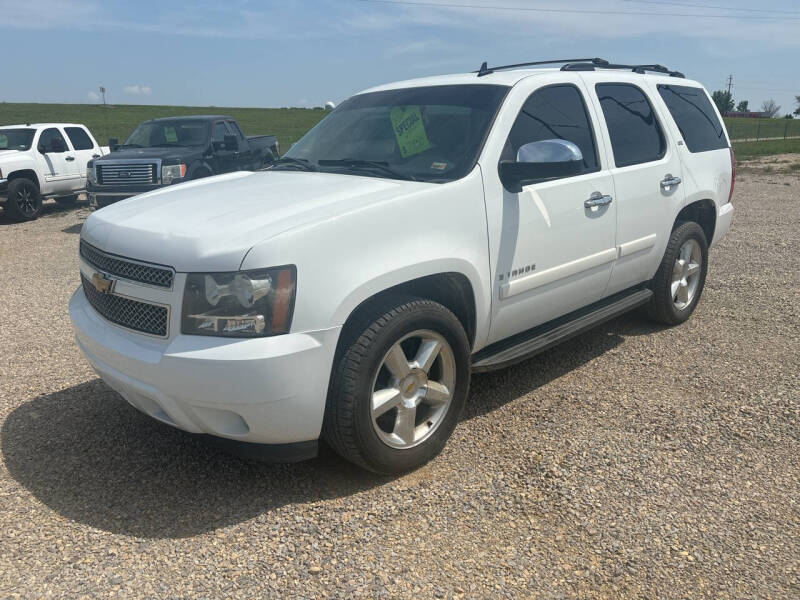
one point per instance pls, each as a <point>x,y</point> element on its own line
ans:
<point>92,458</point>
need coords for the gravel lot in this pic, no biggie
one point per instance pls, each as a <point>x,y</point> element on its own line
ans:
<point>633,461</point>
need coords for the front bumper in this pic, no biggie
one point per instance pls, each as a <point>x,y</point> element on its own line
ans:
<point>264,391</point>
<point>3,188</point>
<point>103,195</point>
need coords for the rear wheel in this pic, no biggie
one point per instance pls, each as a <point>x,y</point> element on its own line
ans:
<point>398,386</point>
<point>24,201</point>
<point>679,282</point>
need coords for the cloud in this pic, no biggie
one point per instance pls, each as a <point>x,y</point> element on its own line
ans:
<point>93,97</point>
<point>137,90</point>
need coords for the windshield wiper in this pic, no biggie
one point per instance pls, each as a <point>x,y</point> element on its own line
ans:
<point>287,161</point>
<point>374,165</point>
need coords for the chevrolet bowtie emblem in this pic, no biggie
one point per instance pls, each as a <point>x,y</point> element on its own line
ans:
<point>103,284</point>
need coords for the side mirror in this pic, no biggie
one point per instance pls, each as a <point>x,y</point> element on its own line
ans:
<point>231,143</point>
<point>541,161</point>
<point>113,144</point>
<point>57,145</point>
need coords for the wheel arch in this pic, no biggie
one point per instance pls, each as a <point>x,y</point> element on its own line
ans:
<point>450,289</point>
<point>25,174</point>
<point>703,212</point>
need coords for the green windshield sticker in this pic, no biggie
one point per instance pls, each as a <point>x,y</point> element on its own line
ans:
<point>409,130</point>
<point>170,135</point>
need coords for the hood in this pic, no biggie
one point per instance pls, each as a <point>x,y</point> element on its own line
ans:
<point>210,224</point>
<point>8,154</point>
<point>165,154</point>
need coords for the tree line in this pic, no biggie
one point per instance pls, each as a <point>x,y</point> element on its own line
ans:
<point>769,108</point>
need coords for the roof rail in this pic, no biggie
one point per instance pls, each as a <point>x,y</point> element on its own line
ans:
<point>593,64</point>
<point>486,70</point>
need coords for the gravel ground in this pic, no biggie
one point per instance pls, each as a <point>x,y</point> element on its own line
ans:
<point>633,461</point>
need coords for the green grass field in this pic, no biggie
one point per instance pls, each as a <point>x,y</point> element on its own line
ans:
<point>289,124</point>
<point>118,121</point>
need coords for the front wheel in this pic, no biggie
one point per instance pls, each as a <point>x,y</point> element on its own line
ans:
<point>24,201</point>
<point>398,386</point>
<point>679,281</point>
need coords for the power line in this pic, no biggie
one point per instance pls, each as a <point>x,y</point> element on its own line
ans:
<point>573,11</point>
<point>717,6</point>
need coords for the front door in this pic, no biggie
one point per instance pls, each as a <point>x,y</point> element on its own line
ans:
<point>226,158</point>
<point>646,171</point>
<point>556,250</point>
<point>58,164</point>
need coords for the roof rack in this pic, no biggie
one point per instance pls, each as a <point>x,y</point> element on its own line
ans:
<point>581,64</point>
<point>591,65</point>
<point>486,70</point>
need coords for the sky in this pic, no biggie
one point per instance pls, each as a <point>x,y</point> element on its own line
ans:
<point>271,53</point>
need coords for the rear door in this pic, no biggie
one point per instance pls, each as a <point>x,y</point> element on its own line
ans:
<point>84,149</point>
<point>646,169</point>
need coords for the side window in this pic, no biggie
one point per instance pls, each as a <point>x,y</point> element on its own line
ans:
<point>48,137</point>
<point>554,112</point>
<point>79,138</point>
<point>219,132</point>
<point>636,136</point>
<point>234,127</point>
<point>695,117</point>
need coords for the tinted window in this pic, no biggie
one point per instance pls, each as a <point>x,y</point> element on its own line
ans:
<point>636,136</point>
<point>427,133</point>
<point>555,112</point>
<point>695,117</point>
<point>47,137</point>
<point>234,127</point>
<point>178,132</point>
<point>79,138</point>
<point>220,131</point>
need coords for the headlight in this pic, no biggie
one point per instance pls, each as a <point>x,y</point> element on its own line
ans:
<point>91,175</point>
<point>172,172</point>
<point>244,304</point>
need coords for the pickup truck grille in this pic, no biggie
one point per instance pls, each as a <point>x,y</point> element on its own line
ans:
<point>127,174</point>
<point>132,314</point>
<point>127,269</point>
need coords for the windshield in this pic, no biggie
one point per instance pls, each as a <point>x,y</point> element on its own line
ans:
<point>169,133</point>
<point>16,139</point>
<point>425,134</point>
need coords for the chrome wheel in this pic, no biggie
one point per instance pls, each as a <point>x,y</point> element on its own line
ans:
<point>26,201</point>
<point>411,396</point>
<point>686,274</point>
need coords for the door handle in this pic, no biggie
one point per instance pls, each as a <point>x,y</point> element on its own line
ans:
<point>597,199</point>
<point>669,181</point>
<point>95,156</point>
<point>70,158</point>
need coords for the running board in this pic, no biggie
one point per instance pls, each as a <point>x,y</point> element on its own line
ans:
<point>529,343</point>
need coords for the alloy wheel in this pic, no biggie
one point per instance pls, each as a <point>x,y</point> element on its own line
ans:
<point>686,274</point>
<point>25,201</point>
<point>411,396</point>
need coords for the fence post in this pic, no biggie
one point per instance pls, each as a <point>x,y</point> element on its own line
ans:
<point>758,129</point>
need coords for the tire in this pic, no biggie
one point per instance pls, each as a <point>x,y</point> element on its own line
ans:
<point>367,437</point>
<point>67,200</point>
<point>24,201</point>
<point>680,278</point>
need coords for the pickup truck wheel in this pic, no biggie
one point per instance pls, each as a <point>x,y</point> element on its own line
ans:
<point>67,200</point>
<point>398,386</point>
<point>679,281</point>
<point>24,201</point>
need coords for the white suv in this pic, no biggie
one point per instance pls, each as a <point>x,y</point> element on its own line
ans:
<point>421,231</point>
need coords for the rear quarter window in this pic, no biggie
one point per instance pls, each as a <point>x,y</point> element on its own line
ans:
<point>695,117</point>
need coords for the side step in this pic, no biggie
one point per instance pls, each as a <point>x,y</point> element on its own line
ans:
<point>529,343</point>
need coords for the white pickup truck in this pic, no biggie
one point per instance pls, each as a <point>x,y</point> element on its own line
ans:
<point>43,160</point>
<point>422,231</point>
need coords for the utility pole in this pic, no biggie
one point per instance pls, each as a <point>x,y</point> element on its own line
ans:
<point>730,83</point>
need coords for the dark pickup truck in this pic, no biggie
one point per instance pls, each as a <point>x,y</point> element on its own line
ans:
<point>166,151</point>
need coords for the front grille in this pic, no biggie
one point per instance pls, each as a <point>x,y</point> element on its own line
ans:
<point>139,316</point>
<point>126,174</point>
<point>126,269</point>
